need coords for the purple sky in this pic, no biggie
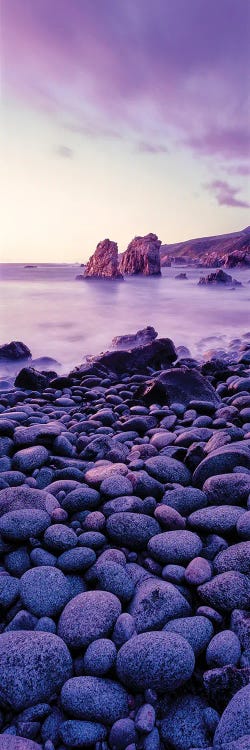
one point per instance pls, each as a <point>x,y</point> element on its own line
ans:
<point>156,85</point>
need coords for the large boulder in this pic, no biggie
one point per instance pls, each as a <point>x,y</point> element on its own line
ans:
<point>218,277</point>
<point>15,350</point>
<point>103,264</point>
<point>142,256</point>
<point>235,721</point>
<point>157,354</point>
<point>180,384</point>
<point>33,380</point>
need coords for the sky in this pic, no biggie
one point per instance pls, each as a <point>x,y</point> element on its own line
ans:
<point>119,118</point>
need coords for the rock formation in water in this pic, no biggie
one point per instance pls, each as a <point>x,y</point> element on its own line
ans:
<point>142,256</point>
<point>103,264</point>
<point>218,277</point>
<point>141,338</point>
<point>15,350</point>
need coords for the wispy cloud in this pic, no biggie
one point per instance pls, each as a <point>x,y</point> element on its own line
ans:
<point>145,147</point>
<point>226,194</point>
<point>65,152</point>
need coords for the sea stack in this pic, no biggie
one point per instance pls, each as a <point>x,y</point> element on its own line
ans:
<point>103,264</point>
<point>142,256</point>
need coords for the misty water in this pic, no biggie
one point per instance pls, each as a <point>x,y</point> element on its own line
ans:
<point>57,316</point>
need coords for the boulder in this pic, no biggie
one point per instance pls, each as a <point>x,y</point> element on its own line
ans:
<point>142,256</point>
<point>157,354</point>
<point>218,277</point>
<point>33,380</point>
<point>180,384</point>
<point>235,721</point>
<point>15,350</point>
<point>156,660</point>
<point>103,264</point>
<point>140,338</point>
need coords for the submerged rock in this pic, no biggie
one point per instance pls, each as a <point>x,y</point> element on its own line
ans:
<point>103,264</point>
<point>140,338</point>
<point>142,256</point>
<point>218,277</point>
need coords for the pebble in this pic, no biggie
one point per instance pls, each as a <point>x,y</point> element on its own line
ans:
<point>166,469</point>
<point>20,525</point>
<point>197,630</point>
<point>31,458</point>
<point>227,591</point>
<point>184,726</point>
<point>82,733</point>
<point>132,530</point>
<point>44,591</point>
<point>155,602</point>
<point>60,538</point>
<point>198,571</point>
<point>122,734</point>
<point>99,657</point>
<point>235,720</point>
<point>175,547</point>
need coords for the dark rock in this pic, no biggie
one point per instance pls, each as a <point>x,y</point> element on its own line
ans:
<point>175,546</point>
<point>222,683</point>
<point>132,530</point>
<point>82,733</point>
<point>142,256</point>
<point>235,721</point>
<point>14,351</point>
<point>157,354</point>
<point>44,591</point>
<point>197,630</point>
<point>219,277</point>
<point>227,591</point>
<point>184,726</point>
<point>180,384</point>
<point>132,340</point>
<point>155,602</point>
<point>34,380</point>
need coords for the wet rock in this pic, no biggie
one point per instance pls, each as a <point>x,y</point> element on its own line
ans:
<point>219,277</point>
<point>130,341</point>
<point>179,385</point>
<point>14,351</point>
<point>34,380</point>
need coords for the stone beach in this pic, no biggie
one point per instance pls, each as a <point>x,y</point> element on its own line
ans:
<point>125,552</point>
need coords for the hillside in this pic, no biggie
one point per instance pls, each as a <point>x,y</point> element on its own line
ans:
<point>225,249</point>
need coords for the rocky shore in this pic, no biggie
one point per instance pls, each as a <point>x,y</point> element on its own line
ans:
<point>125,554</point>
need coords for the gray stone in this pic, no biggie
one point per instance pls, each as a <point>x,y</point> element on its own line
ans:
<point>99,657</point>
<point>227,591</point>
<point>82,733</point>
<point>236,557</point>
<point>44,591</point>
<point>95,699</point>
<point>88,616</point>
<point>33,666</point>
<point>184,726</point>
<point>197,630</point>
<point>175,546</point>
<point>31,458</point>
<point>223,649</point>
<point>217,519</point>
<point>20,525</point>
<point>235,721</point>
<point>155,602</point>
<point>186,500</point>
<point>166,469</point>
<point>22,498</point>
<point>132,530</point>
<point>162,661</point>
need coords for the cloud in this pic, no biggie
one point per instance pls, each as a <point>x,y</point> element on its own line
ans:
<point>225,194</point>
<point>243,170</point>
<point>151,148</point>
<point>181,65</point>
<point>65,152</point>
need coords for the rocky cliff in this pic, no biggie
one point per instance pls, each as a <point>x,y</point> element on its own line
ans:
<point>103,264</point>
<point>142,256</point>
<point>227,250</point>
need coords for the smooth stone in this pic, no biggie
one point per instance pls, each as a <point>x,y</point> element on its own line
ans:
<point>22,498</point>
<point>236,557</point>
<point>169,518</point>
<point>155,602</point>
<point>28,459</point>
<point>132,530</point>
<point>227,591</point>
<point>12,742</point>
<point>123,504</point>
<point>77,559</point>
<point>44,591</point>
<point>175,546</point>
<point>9,590</point>
<point>161,661</point>
<point>60,538</point>
<point>221,461</point>
<point>145,718</point>
<point>17,562</point>
<point>99,657</point>
<point>197,630</point>
<point>235,721</point>
<point>198,571</point>
<point>185,501</point>
<point>122,735</point>
<point>82,498</point>
<point>243,526</point>
<point>223,649</point>
<point>124,629</point>
<point>88,616</point>
<point>223,486</point>
<point>184,726</point>
<point>115,486</point>
<point>82,733</point>
<point>217,519</point>
<point>95,699</point>
<point>20,525</point>
<point>33,667</point>
<point>112,577</point>
<point>166,469</point>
